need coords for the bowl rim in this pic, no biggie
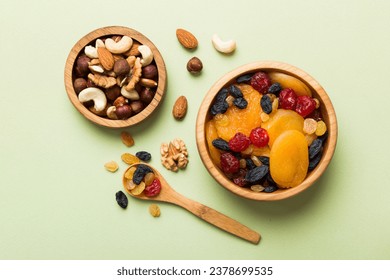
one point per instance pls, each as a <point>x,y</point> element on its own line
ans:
<point>228,78</point>
<point>102,32</point>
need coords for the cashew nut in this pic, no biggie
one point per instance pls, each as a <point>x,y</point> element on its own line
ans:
<point>123,45</point>
<point>96,95</point>
<point>96,69</point>
<point>147,55</point>
<point>223,46</point>
<point>91,52</point>
<point>130,94</point>
<point>111,113</point>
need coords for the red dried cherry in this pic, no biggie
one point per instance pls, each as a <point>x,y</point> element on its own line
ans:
<point>288,99</point>
<point>261,82</point>
<point>229,163</point>
<point>305,105</point>
<point>153,189</point>
<point>259,137</point>
<point>239,142</point>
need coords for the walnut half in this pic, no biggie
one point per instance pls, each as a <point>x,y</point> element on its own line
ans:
<point>174,156</point>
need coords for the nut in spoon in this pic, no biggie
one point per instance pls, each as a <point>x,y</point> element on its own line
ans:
<point>168,194</point>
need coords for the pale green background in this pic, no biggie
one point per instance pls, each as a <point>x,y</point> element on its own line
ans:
<point>58,202</point>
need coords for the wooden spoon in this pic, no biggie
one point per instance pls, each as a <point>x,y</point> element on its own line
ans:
<point>168,194</point>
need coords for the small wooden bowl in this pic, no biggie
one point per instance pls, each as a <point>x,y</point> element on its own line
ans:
<point>79,48</point>
<point>328,115</point>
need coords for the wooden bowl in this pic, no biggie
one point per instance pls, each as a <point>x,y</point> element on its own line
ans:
<point>104,32</point>
<point>328,115</point>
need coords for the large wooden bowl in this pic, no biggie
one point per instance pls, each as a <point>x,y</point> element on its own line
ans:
<point>79,48</point>
<point>328,115</point>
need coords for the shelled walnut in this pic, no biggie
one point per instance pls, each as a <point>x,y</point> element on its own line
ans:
<point>174,155</point>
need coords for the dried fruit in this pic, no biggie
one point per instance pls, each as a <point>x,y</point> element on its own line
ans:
<point>149,177</point>
<point>111,166</point>
<point>315,148</point>
<point>240,103</point>
<point>275,88</point>
<point>235,91</point>
<point>321,128</point>
<point>305,105</point>
<point>309,126</point>
<point>186,39</point>
<point>220,105</point>
<point>140,172</point>
<point>127,139</point>
<point>270,189</point>
<point>221,144</point>
<point>239,142</point>
<point>256,174</point>
<point>287,81</point>
<point>153,189</point>
<point>143,155</point>
<point>138,189</point>
<point>130,173</point>
<point>266,104</point>
<point>121,199</point>
<point>244,78</point>
<point>287,99</point>
<point>154,210</point>
<point>314,161</point>
<point>259,137</point>
<point>261,82</point>
<point>129,158</point>
<point>229,163</point>
<point>257,188</point>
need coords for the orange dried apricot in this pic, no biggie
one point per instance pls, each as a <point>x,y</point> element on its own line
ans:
<point>281,121</point>
<point>240,120</point>
<point>287,81</point>
<point>289,159</point>
<point>211,134</point>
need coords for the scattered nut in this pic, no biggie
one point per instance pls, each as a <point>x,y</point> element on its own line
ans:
<point>194,65</point>
<point>174,156</point>
<point>180,108</point>
<point>186,39</point>
<point>223,46</point>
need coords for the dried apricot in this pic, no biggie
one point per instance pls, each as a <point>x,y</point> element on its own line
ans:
<point>281,121</point>
<point>211,134</point>
<point>287,81</point>
<point>289,159</point>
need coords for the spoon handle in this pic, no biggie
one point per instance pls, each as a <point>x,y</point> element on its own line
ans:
<point>217,219</point>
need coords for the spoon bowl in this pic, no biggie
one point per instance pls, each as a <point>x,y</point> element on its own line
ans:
<point>169,195</point>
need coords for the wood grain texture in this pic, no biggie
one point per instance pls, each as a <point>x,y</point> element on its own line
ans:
<point>106,31</point>
<point>168,194</point>
<point>328,114</point>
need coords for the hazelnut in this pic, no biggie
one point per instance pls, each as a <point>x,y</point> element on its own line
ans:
<point>82,65</point>
<point>79,84</point>
<point>121,67</point>
<point>194,65</point>
<point>113,93</point>
<point>146,95</point>
<point>136,106</point>
<point>149,71</point>
<point>120,101</point>
<point>123,112</point>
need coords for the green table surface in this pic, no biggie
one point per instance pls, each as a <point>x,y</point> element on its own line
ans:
<point>58,202</point>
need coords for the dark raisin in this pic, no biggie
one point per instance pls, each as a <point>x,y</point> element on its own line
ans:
<point>256,174</point>
<point>250,164</point>
<point>121,199</point>
<point>140,172</point>
<point>244,78</point>
<point>315,148</point>
<point>266,104</point>
<point>270,180</point>
<point>221,95</point>
<point>314,162</point>
<point>143,155</point>
<point>235,91</point>
<point>221,144</point>
<point>264,160</point>
<point>219,108</point>
<point>275,88</point>
<point>270,189</point>
<point>324,136</point>
<point>241,103</point>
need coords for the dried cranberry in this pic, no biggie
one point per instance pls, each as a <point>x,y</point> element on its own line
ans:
<point>229,163</point>
<point>261,82</point>
<point>305,105</point>
<point>153,189</point>
<point>259,137</point>
<point>239,142</point>
<point>239,181</point>
<point>288,99</point>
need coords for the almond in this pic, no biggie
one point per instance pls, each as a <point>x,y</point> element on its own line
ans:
<point>186,39</point>
<point>106,58</point>
<point>180,108</point>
